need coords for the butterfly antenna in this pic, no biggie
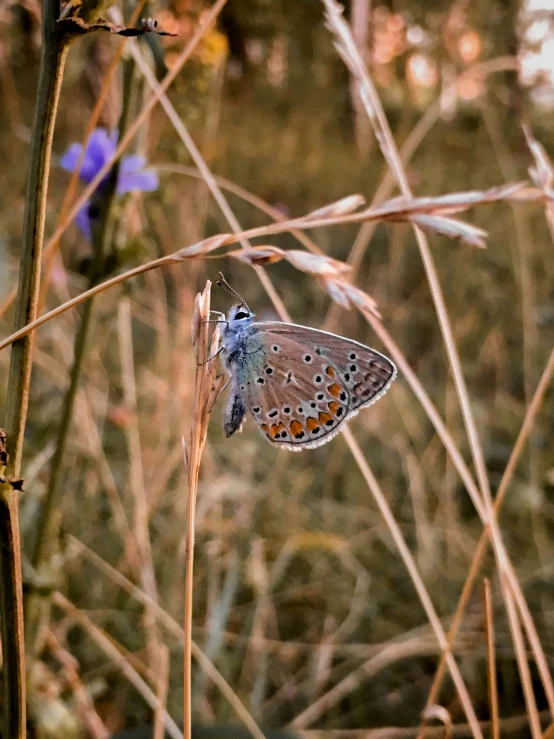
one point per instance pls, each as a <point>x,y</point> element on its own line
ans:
<point>222,282</point>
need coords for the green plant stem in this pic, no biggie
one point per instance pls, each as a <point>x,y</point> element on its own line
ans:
<point>53,55</point>
<point>46,532</point>
<point>47,524</point>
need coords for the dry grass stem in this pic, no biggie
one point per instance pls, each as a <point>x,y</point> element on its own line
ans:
<point>106,644</point>
<point>522,663</point>
<point>136,471</point>
<point>491,659</point>
<point>309,223</point>
<point>480,550</point>
<point>162,687</point>
<point>311,263</point>
<point>207,387</point>
<point>417,135</point>
<point>243,194</point>
<point>85,704</point>
<point>347,50</point>
<point>310,713</point>
<point>176,631</point>
<point>349,54</point>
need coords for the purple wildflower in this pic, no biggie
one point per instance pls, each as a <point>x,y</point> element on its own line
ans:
<point>133,175</point>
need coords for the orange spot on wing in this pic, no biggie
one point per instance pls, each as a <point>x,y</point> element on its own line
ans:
<point>296,428</point>
<point>265,428</point>
<point>334,406</point>
<point>331,372</point>
<point>335,390</point>
<point>324,417</point>
<point>311,424</point>
<point>276,428</point>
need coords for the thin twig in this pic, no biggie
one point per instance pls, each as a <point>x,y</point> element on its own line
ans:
<point>491,659</point>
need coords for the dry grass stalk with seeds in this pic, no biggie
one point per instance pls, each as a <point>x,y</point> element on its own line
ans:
<point>207,387</point>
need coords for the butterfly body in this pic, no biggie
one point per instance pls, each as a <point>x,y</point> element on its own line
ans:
<point>300,384</point>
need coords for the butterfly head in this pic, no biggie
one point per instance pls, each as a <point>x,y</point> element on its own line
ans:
<point>240,315</point>
<point>237,326</point>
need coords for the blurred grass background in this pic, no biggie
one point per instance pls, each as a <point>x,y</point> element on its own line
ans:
<point>297,584</point>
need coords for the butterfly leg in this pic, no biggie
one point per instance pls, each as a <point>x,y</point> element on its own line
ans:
<point>216,391</point>
<point>221,317</point>
<point>235,411</point>
<point>209,359</point>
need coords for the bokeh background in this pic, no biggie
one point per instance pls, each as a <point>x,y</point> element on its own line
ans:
<point>298,586</point>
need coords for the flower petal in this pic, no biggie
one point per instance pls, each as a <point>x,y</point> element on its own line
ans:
<point>71,157</point>
<point>132,163</point>
<point>100,148</point>
<point>82,220</point>
<point>143,181</point>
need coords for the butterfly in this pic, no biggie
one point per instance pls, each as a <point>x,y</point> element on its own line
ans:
<point>300,384</point>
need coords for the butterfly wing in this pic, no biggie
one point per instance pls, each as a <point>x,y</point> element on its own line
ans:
<point>366,373</point>
<point>293,403</point>
<point>302,387</point>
